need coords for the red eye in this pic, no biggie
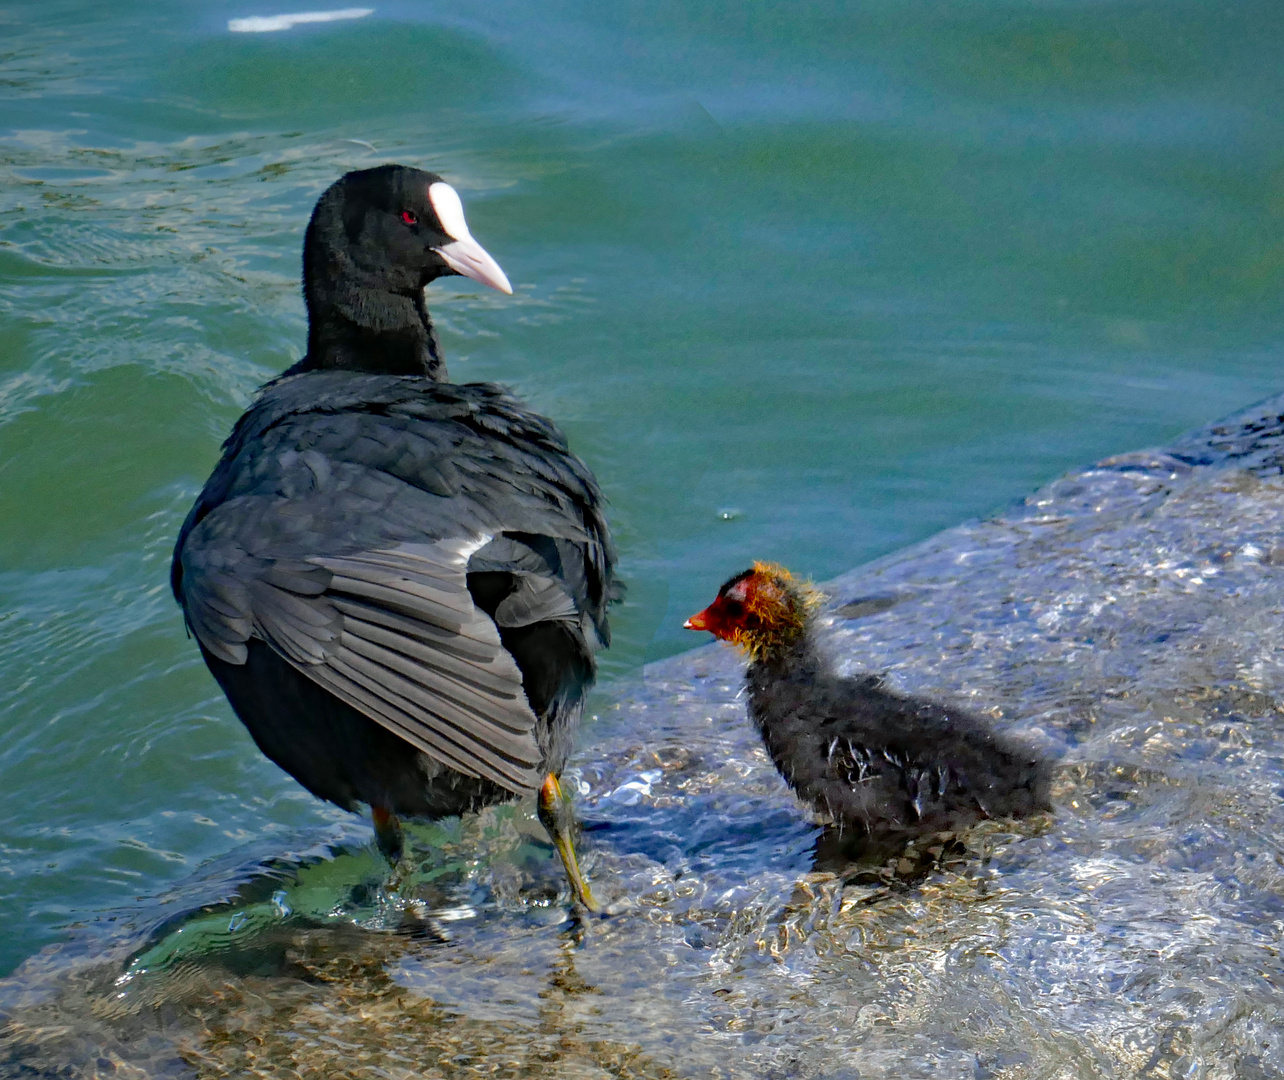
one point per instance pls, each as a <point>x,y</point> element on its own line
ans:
<point>410,217</point>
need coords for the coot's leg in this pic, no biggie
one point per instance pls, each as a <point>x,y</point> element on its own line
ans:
<point>387,833</point>
<point>558,817</point>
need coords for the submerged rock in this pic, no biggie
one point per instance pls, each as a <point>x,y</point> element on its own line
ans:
<point>1127,618</point>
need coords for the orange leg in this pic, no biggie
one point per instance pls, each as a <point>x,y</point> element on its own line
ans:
<point>558,816</point>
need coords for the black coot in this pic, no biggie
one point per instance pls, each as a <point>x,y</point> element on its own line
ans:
<point>860,754</point>
<point>399,582</point>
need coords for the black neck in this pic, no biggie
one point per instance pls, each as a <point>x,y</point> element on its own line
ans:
<point>355,323</point>
<point>408,346</point>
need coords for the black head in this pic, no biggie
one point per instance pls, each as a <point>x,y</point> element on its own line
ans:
<point>376,238</point>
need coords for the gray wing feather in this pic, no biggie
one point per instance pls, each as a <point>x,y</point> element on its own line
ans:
<point>219,615</point>
<point>393,633</point>
<point>537,598</point>
<point>470,651</point>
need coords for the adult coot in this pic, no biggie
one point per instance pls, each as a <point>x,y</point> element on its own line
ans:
<point>864,756</point>
<point>398,582</point>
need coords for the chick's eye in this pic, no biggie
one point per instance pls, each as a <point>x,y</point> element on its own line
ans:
<point>410,217</point>
<point>732,610</point>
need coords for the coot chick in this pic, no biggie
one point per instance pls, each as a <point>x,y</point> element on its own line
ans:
<point>861,755</point>
<point>399,582</point>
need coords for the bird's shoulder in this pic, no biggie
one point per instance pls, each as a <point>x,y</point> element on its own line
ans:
<point>353,415</point>
<point>385,458</point>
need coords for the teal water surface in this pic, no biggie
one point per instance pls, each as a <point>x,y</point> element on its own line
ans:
<point>804,282</point>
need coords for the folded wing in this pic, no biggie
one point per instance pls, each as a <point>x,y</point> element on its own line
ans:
<point>395,634</point>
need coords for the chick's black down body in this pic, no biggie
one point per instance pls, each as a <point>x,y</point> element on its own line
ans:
<point>885,763</point>
<point>398,582</point>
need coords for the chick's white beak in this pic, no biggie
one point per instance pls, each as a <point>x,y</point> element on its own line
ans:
<point>463,254</point>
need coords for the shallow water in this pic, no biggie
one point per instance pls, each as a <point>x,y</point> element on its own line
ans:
<point>1134,933</point>
<point>807,283</point>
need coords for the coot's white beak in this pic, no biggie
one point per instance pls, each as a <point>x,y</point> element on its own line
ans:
<point>469,258</point>
<point>463,254</point>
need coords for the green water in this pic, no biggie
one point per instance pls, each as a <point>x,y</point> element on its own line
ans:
<point>805,282</point>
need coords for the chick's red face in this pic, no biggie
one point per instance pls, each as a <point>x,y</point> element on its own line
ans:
<point>762,611</point>
<point>728,613</point>
<point>748,603</point>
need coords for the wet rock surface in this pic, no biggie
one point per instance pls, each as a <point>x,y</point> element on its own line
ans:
<point>1126,618</point>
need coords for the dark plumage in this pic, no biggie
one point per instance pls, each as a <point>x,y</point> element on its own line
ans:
<point>398,582</point>
<point>860,754</point>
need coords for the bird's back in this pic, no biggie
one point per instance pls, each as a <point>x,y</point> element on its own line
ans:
<point>429,555</point>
